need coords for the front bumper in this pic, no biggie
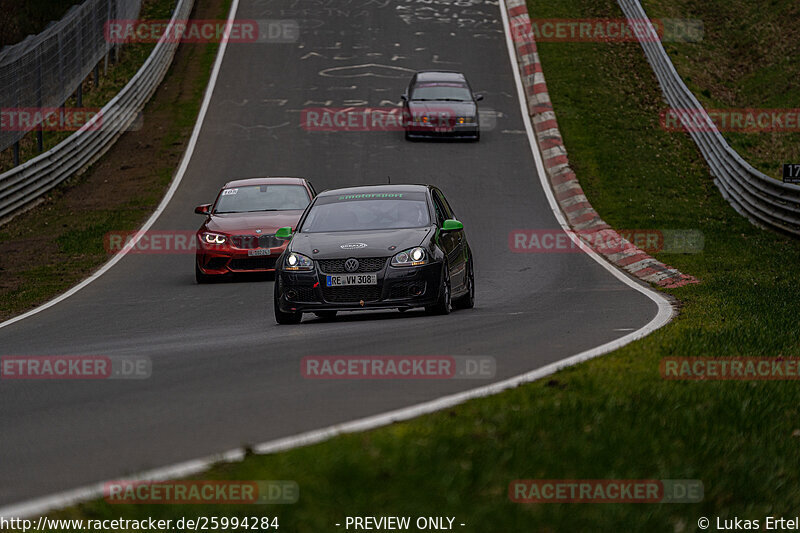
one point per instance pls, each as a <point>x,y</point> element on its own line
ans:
<point>225,260</point>
<point>397,288</point>
<point>456,131</point>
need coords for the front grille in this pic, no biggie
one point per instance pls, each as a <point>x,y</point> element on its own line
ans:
<point>249,242</point>
<point>253,263</point>
<point>354,293</point>
<point>365,264</point>
<point>403,289</point>
<point>304,294</point>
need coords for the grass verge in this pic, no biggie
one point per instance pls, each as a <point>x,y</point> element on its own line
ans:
<point>117,193</point>
<point>746,59</point>
<point>613,417</point>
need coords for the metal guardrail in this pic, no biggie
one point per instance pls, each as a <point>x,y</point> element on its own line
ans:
<point>26,183</point>
<point>765,201</point>
<point>45,69</point>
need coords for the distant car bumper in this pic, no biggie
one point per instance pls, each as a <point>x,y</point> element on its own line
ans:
<point>220,261</point>
<point>397,288</point>
<point>463,131</point>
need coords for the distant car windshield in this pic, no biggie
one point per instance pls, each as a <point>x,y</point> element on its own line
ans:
<point>368,211</point>
<point>262,198</point>
<point>441,91</point>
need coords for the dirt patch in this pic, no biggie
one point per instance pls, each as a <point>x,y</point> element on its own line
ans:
<point>51,247</point>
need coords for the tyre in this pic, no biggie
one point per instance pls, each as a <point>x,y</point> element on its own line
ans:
<point>326,315</point>
<point>468,300</point>
<point>442,305</point>
<point>280,316</point>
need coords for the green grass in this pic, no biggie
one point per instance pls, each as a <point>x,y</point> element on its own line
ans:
<point>75,245</point>
<point>613,417</point>
<point>747,59</point>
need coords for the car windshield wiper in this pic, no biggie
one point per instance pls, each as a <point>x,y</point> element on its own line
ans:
<point>449,100</point>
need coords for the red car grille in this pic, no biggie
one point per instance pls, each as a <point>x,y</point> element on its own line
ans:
<point>249,242</point>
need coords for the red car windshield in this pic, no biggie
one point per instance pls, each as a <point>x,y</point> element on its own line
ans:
<point>262,198</point>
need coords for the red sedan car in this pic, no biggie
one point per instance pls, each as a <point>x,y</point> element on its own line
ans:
<point>238,234</point>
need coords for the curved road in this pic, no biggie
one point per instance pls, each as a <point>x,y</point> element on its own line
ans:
<point>223,373</point>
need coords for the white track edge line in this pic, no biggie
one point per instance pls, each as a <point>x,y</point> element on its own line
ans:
<point>665,312</point>
<point>176,181</point>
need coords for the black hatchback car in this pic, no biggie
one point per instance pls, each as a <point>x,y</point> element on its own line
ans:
<point>374,247</point>
<point>440,104</point>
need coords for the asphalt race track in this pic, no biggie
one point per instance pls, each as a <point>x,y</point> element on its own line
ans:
<point>224,374</point>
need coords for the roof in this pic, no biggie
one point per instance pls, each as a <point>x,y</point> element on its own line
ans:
<point>375,189</point>
<point>440,75</point>
<point>266,181</point>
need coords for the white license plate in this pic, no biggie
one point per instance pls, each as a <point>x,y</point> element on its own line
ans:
<point>351,279</point>
<point>259,252</point>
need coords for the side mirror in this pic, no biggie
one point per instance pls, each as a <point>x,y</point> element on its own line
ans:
<point>404,97</point>
<point>452,225</point>
<point>478,97</point>
<point>204,209</point>
<point>284,234</point>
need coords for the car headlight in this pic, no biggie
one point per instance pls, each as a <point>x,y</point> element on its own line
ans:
<point>214,238</point>
<point>465,120</point>
<point>413,257</point>
<point>295,261</point>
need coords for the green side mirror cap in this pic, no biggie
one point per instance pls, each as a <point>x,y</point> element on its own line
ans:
<point>284,233</point>
<point>452,225</point>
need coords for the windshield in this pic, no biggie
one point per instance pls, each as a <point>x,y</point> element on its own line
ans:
<point>442,92</point>
<point>364,212</point>
<point>262,198</point>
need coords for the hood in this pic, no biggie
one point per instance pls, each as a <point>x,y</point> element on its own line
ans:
<point>330,245</point>
<point>268,221</point>
<point>446,108</point>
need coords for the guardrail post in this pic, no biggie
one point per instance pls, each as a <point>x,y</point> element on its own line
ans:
<point>16,153</point>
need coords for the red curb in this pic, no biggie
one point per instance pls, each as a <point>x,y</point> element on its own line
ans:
<point>569,193</point>
<point>555,161</point>
<point>550,142</point>
<point>563,178</point>
<point>532,68</point>
<point>546,125</point>
<point>586,217</point>
<point>540,88</point>
<point>577,207</point>
<point>525,46</point>
<point>635,258</point>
